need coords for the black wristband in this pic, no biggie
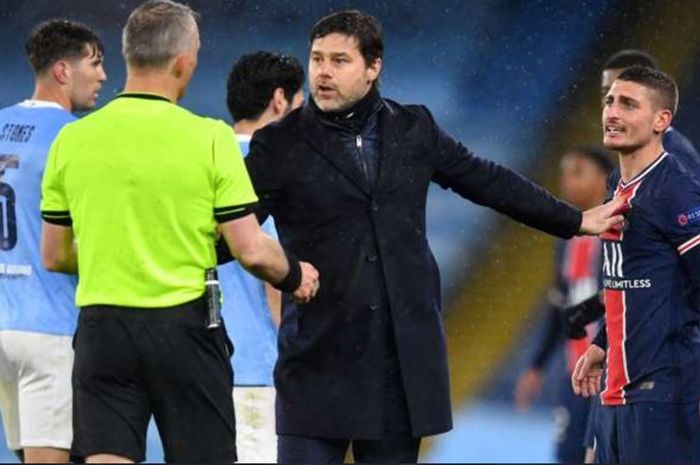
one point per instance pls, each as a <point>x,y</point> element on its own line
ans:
<point>291,282</point>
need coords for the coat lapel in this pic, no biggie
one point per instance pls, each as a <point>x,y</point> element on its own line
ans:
<point>390,158</point>
<point>330,148</point>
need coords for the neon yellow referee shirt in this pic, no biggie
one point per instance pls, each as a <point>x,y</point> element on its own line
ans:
<point>143,182</point>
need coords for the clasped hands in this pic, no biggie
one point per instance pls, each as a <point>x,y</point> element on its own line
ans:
<point>309,286</point>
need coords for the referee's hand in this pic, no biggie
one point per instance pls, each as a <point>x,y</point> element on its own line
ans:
<point>588,372</point>
<point>309,284</point>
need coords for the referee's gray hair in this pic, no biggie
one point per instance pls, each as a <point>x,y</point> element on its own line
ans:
<point>156,32</point>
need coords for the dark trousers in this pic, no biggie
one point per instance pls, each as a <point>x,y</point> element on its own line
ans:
<point>133,363</point>
<point>648,432</point>
<point>394,448</point>
<point>571,418</point>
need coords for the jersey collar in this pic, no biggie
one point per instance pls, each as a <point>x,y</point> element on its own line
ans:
<point>644,173</point>
<point>143,95</point>
<point>31,103</point>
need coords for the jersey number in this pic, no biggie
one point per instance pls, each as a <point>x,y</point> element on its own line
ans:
<point>8,218</point>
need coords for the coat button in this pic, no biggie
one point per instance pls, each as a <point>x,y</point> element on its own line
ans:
<point>373,306</point>
<point>371,257</point>
<point>374,206</point>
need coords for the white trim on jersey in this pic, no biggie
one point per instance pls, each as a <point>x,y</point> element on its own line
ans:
<point>29,103</point>
<point>644,172</point>
<point>689,244</point>
<point>243,138</point>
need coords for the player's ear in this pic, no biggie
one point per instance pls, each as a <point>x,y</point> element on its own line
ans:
<point>61,72</point>
<point>279,102</point>
<point>662,120</point>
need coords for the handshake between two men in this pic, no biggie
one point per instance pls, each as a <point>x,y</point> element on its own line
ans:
<point>265,258</point>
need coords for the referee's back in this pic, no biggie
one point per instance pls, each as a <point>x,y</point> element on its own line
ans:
<point>146,179</point>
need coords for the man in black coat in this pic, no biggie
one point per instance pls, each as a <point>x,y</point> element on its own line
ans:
<point>346,179</point>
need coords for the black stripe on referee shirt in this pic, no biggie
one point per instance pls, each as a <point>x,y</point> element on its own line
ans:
<point>224,214</point>
<point>61,218</point>
<point>143,96</point>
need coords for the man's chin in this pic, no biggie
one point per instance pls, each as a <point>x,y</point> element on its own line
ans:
<point>620,147</point>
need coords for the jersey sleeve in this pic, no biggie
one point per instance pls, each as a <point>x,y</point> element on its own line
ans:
<point>54,203</point>
<point>682,227</point>
<point>681,222</point>
<point>234,195</point>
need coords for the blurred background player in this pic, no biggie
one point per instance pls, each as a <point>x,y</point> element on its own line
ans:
<point>583,177</point>
<point>37,311</point>
<point>262,87</point>
<point>651,276</point>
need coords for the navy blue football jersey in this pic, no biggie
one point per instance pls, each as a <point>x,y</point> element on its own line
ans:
<point>651,270</point>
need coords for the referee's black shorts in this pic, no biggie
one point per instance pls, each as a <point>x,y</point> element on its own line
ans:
<point>134,362</point>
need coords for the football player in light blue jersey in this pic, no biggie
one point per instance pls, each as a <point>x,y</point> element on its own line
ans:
<point>262,88</point>
<point>37,310</point>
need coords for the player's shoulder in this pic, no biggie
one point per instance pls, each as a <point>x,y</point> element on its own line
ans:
<point>37,111</point>
<point>676,179</point>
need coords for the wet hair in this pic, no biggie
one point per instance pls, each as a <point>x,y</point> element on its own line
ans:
<point>254,79</point>
<point>353,23</point>
<point>601,157</point>
<point>630,57</point>
<point>59,39</point>
<point>658,81</point>
<point>156,32</point>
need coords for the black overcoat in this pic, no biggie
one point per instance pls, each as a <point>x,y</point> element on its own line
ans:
<point>370,248</point>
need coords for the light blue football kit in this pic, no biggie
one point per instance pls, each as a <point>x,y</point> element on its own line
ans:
<point>31,298</point>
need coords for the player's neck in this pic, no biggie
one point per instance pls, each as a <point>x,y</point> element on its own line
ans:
<point>633,163</point>
<point>247,127</point>
<point>152,82</point>
<point>51,93</point>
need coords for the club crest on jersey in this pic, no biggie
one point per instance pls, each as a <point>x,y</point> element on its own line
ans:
<point>689,217</point>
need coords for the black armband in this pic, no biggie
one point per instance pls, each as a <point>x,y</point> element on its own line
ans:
<point>291,282</point>
<point>576,318</point>
<point>223,253</point>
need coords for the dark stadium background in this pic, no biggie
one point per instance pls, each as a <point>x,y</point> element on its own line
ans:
<point>516,81</point>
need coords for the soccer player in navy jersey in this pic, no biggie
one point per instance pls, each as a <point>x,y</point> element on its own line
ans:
<point>37,311</point>
<point>651,271</point>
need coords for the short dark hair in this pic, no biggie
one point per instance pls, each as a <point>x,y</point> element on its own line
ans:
<point>601,157</point>
<point>58,39</point>
<point>658,81</point>
<point>254,78</point>
<point>630,57</point>
<point>353,23</point>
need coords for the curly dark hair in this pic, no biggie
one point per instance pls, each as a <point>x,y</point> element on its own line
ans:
<point>254,78</point>
<point>58,39</point>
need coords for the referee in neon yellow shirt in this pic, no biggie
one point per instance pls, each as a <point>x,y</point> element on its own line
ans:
<point>132,197</point>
